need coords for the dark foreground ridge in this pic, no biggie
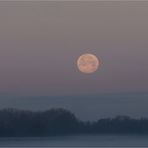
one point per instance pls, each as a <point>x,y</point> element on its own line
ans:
<point>19,123</point>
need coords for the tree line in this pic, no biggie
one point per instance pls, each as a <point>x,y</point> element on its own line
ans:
<point>22,123</point>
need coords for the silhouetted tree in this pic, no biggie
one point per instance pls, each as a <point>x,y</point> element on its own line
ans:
<point>15,122</point>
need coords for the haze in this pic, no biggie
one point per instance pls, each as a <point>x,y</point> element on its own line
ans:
<point>41,41</point>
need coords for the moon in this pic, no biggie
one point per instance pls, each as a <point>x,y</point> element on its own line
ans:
<point>88,63</point>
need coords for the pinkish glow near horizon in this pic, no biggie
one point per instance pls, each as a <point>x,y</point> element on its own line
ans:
<point>40,42</point>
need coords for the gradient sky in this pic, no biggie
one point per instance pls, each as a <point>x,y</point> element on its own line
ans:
<point>41,41</point>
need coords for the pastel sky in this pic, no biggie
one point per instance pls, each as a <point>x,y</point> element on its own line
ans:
<point>41,41</point>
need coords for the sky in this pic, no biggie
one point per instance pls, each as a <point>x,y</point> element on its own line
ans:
<point>40,43</point>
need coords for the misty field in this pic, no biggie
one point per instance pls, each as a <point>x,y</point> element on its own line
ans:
<point>78,141</point>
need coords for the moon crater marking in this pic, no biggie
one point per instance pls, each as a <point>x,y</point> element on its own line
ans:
<point>88,63</point>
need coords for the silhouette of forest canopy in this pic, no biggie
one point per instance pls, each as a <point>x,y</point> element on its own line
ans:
<point>19,123</point>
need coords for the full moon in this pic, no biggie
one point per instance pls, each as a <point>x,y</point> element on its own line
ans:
<point>88,63</point>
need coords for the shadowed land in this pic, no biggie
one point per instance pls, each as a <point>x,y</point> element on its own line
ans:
<point>23,123</point>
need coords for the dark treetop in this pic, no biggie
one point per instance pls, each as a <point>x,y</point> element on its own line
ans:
<point>19,123</point>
